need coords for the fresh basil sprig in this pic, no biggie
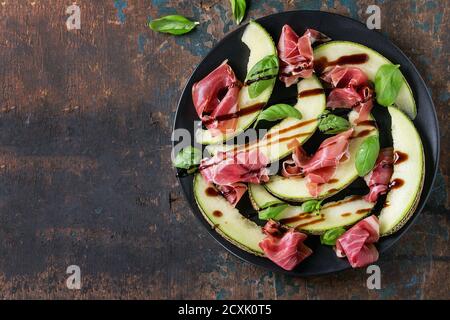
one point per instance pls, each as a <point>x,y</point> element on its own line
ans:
<point>272,212</point>
<point>330,236</point>
<point>238,7</point>
<point>312,206</point>
<point>187,158</point>
<point>388,82</point>
<point>278,112</point>
<point>332,124</point>
<point>173,24</point>
<point>367,155</point>
<point>262,75</point>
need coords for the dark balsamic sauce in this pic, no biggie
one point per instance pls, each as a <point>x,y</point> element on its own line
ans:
<point>362,133</point>
<point>293,127</point>
<point>321,64</point>
<point>211,192</point>
<point>350,199</point>
<point>311,222</point>
<point>217,213</point>
<point>372,123</point>
<point>397,183</point>
<point>400,157</point>
<point>242,112</point>
<point>250,81</point>
<point>363,211</point>
<point>311,92</point>
<point>302,216</point>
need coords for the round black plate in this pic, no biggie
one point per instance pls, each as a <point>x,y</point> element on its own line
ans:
<point>337,27</point>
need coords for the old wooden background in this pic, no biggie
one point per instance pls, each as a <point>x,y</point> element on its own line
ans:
<point>85,176</point>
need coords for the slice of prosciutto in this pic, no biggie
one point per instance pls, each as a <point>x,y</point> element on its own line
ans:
<point>296,54</point>
<point>351,90</point>
<point>378,179</point>
<point>233,192</point>
<point>357,243</point>
<point>229,171</point>
<point>319,168</point>
<point>215,97</point>
<point>284,246</point>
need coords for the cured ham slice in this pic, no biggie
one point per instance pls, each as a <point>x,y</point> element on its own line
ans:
<point>216,96</point>
<point>296,54</point>
<point>240,167</point>
<point>233,192</point>
<point>378,179</point>
<point>341,77</point>
<point>284,246</point>
<point>357,243</point>
<point>351,90</point>
<point>228,172</point>
<point>319,168</point>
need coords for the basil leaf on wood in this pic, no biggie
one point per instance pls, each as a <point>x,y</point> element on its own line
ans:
<point>173,24</point>
<point>388,82</point>
<point>278,112</point>
<point>330,236</point>
<point>367,155</point>
<point>271,212</point>
<point>332,124</point>
<point>187,157</point>
<point>312,206</point>
<point>238,7</point>
<point>262,75</point>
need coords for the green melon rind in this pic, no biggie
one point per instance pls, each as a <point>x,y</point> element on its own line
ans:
<point>261,198</point>
<point>408,133</point>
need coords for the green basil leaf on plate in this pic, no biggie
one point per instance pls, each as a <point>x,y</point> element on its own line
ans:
<point>367,155</point>
<point>238,7</point>
<point>388,81</point>
<point>173,24</point>
<point>262,75</point>
<point>312,206</point>
<point>187,158</point>
<point>278,112</point>
<point>271,212</point>
<point>333,124</point>
<point>330,236</point>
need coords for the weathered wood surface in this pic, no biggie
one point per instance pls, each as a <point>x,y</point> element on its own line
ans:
<point>85,123</point>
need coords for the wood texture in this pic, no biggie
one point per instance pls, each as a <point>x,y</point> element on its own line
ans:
<point>85,123</point>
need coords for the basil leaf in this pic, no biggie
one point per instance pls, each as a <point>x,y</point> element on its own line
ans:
<point>187,157</point>
<point>367,155</point>
<point>278,112</point>
<point>262,75</point>
<point>271,212</point>
<point>330,236</point>
<point>238,7</point>
<point>312,206</point>
<point>332,124</point>
<point>173,24</point>
<point>388,82</point>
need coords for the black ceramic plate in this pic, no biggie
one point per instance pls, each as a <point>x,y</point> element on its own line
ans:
<point>337,27</point>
